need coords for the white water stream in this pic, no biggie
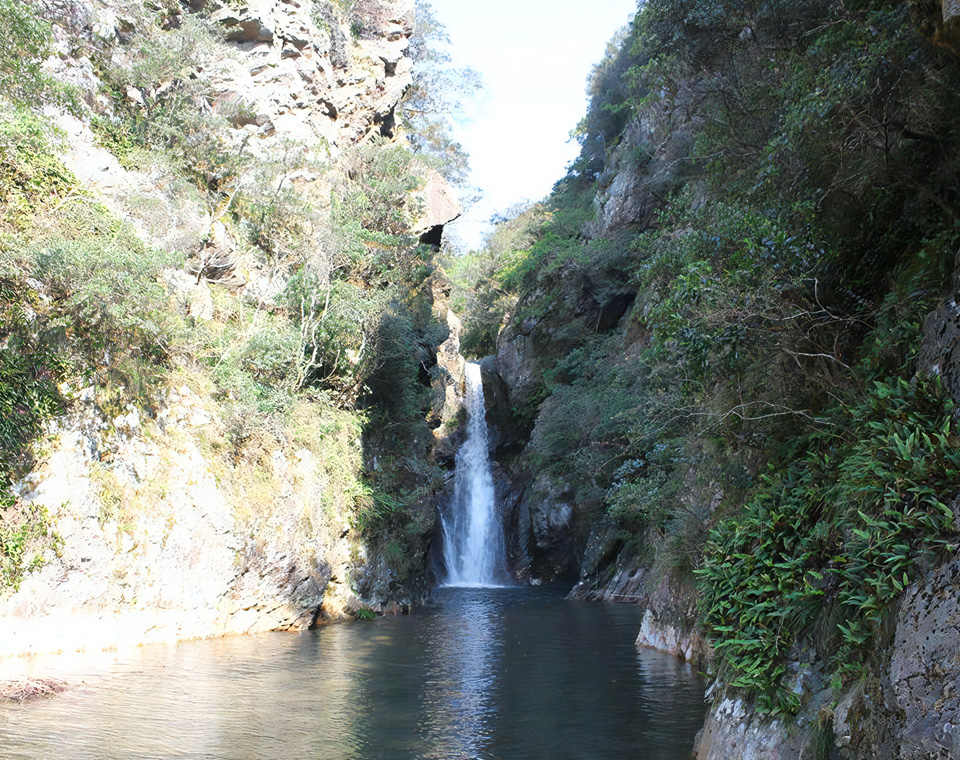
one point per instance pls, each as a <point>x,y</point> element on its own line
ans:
<point>473,542</point>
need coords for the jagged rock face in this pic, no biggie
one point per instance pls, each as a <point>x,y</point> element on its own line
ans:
<point>637,177</point>
<point>550,506</point>
<point>301,75</point>
<point>297,73</point>
<point>295,76</point>
<point>515,521</point>
<point>503,430</point>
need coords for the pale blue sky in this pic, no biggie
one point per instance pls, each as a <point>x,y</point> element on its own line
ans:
<point>534,57</point>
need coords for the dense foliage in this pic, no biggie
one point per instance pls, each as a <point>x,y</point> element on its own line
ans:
<point>753,422</point>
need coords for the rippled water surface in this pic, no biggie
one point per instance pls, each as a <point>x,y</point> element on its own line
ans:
<point>504,674</point>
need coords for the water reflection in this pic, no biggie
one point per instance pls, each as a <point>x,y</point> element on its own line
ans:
<point>508,674</point>
<point>460,690</point>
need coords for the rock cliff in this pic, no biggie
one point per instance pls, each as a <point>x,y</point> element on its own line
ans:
<point>159,539</point>
<point>169,517</point>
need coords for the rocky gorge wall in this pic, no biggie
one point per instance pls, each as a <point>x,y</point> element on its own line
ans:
<point>903,707</point>
<point>159,539</point>
<point>154,524</point>
<point>903,702</point>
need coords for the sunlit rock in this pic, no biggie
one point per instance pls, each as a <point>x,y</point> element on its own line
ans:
<point>438,206</point>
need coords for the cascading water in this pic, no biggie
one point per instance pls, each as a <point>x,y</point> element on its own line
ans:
<point>473,542</point>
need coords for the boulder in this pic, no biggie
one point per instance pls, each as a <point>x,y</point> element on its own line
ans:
<point>243,25</point>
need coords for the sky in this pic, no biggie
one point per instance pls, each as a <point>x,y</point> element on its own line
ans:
<point>534,57</point>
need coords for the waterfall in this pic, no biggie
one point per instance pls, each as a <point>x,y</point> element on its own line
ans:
<point>473,542</point>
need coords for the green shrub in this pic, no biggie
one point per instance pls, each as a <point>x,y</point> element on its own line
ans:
<point>107,288</point>
<point>27,37</point>
<point>25,535</point>
<point>375,189</point>
<point>31,364</point>
<point>372,507</point>
<point>31,178</point>
<point>842,528</point>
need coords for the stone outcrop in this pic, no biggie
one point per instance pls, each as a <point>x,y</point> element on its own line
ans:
<point>925,666</point>
<point>437,206</point>
<point>296,72</point>
<point>502,427</point>
<point>940,350</point>
<point>666,631</point>
<point>733,731</point>
<point>516,360</point>
<point>640,173</point>
<point>549,503</point>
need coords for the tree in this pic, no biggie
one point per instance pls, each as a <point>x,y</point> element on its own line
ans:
<point>26,45</point>
<point>439,90</point>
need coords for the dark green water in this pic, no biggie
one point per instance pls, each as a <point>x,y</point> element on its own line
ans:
<point>503,674</point>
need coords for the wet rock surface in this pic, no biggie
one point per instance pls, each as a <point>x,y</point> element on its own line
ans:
<point>550,505</point>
